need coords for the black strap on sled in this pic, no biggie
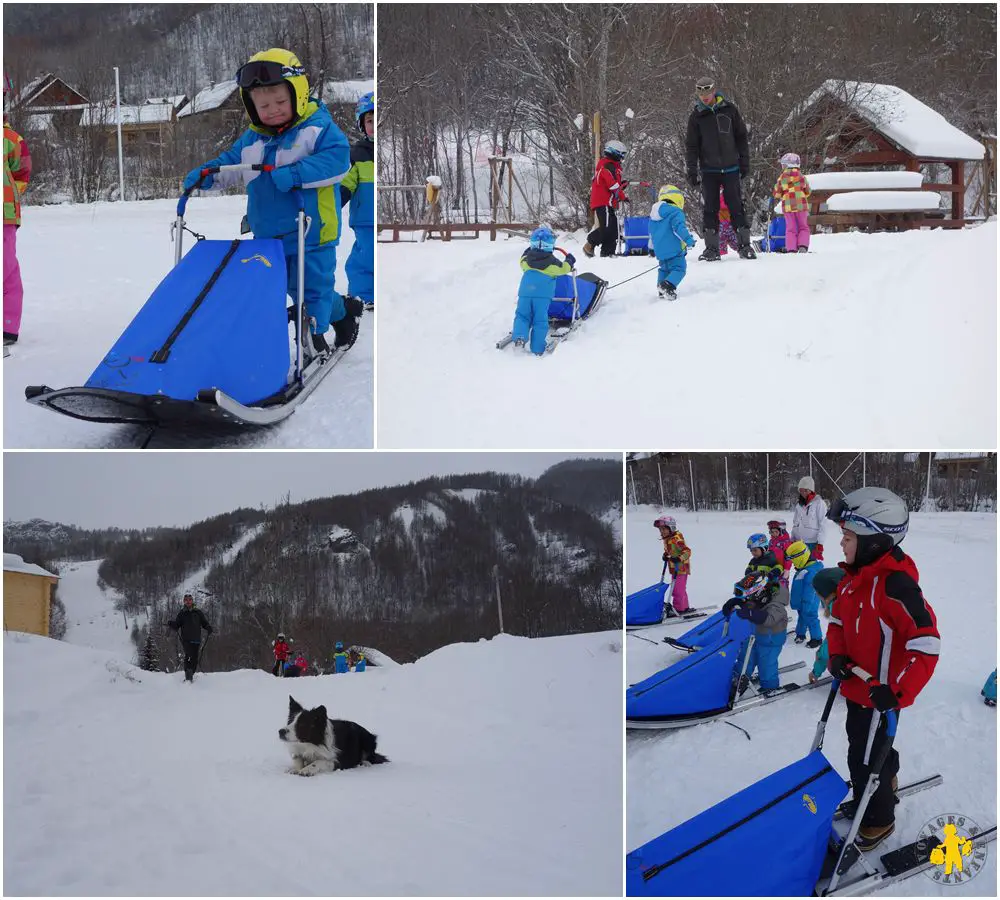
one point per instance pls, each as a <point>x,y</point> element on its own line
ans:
<point>163,354</point>
<point>655,870</point>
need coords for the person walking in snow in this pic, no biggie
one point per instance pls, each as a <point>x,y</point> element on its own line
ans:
<point>16,174</point>
<point>282,652</point>
<point>340,663</point>
<point>358,188</point>
<point>607,191</point>
<point>671,239</point>
<point>540,268</point>
<point>808,517</point>
<point>765,603</point>
<point>677,556</point>
<point>189,623</point>
<point>825,583</point>
<point>718,156</point>
<point>805,600</point>
<point>882,624</point>
<point>792,189</point>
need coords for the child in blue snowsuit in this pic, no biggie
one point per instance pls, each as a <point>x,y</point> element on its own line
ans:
<point>825,583</point>
<point>989,690</point>
<point>538,287</point>
<point>358,187</point>
<point>294,133</point>
<point>763,601</point>
<point>804,598</point>
<point>340,663</point>
<point>671,239</point>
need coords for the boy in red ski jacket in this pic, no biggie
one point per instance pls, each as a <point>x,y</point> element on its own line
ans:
<point>282,652</point>
<point>881,623</point>
<point>607,190</point>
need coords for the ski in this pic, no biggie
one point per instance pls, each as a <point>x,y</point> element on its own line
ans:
<point>898,865</point>
<point>753,702</point>
<point>696,612</point>
<point>914,787</point>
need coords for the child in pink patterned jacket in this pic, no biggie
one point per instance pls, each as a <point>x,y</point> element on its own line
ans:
<point>792,189</point>
<point>780,539</point>
<point>727,234</point>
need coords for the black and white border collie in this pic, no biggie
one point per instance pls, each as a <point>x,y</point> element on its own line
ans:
<point>320,744</point>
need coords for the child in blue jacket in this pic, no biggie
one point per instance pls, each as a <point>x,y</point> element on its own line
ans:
<point>804,597</point>
<point>358,187</point>
<point>671,239</point>
<point>989,690</point>
<point>825,583</point>
<point>294,133</point>
<point>538,287</point>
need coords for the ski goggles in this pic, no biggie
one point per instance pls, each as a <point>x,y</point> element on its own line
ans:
<point>842,514</point>
<point>264,72</point>
<point>749,588</point>
<point>704,87</point>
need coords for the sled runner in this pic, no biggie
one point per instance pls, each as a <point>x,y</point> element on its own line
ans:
<point>210,345</point>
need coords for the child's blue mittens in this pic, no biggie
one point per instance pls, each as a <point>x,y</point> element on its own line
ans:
<point>286,178</point>
<point>191,181</point>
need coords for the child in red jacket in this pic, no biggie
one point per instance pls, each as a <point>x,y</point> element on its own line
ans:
<point>881,623</point>
<point>607,190</point>
<point>282,653</point>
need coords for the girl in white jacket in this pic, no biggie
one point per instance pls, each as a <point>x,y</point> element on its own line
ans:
<point>808,517</point>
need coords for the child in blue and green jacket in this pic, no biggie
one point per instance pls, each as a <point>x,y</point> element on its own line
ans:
<point>825,583</point>
<point>671,239</point>
<point>804,597</point>
<point>358,187</point>
<point>538,287</point>
<point>294,133</point>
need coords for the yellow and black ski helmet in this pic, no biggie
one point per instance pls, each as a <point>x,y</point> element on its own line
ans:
<point>672,194</point>
<point>274,66</point>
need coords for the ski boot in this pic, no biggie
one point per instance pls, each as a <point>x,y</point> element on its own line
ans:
<point>189,674</point>
<point>771,692</point>
<point>741,687</point>
<point>9,338</point>
<point>346,330</point>
<point>588,250</point>
<point>850,807</point>
<point>669,612</point>
<point>711,251</point>
<point>814,643</point>
<point>519,343</point>
<point>802,250</point>
<point>869,837</point>
<point>800,639</point>
<point>989,701</point>
<point>319,343</point>
<point>666,290</point>
<point>746,248</point>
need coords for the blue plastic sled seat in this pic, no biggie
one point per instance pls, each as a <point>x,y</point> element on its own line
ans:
<point>218,320</point>
<point>590,291</point>
<point>635,231</point>
<point>645,607</point>
<point>699,685</point>
<point>786,815</point>
<point>705,633</point>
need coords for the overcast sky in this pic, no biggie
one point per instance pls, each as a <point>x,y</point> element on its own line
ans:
<point>141,489</point>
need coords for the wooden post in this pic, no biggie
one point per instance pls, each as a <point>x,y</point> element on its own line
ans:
<point>958,197</point>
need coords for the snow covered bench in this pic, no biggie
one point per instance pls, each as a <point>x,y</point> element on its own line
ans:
<point>890,210</point>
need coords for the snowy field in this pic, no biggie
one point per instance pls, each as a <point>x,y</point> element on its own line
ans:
<point>87,269</point>
<point>505,776</point>
<point>673,776</point>
<point>913,315</point>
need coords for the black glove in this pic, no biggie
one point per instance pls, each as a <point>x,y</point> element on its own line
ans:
<point>882,697</point>
<point>693,179</point>
<point>210,629</point>
<point>571,259</point>
<point>666,557</point>
<point>839,667</point>
<point>625,184</point>
<point>729,606</point>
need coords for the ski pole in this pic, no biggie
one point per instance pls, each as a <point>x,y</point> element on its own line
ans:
<point>821,724</point>
<point>201,654</point>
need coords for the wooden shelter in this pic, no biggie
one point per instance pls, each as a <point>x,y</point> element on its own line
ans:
<point>847,126</point>
<point>27,595</point>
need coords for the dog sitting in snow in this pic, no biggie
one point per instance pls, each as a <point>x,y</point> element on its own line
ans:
<point>320,744</point>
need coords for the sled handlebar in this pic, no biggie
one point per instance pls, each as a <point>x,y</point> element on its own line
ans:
<point>214,170</point>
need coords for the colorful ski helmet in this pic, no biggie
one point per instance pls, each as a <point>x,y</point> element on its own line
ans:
<point>366,104</point>
<point>542,239</point>
<point>791,161</point>
<point>615,149</point>
<point>671,194</point>
<point>798,553</point>
<point>750,587</point>
<point>281,635</point>
<point>274,66</point>
<point>756,541</point>
<point>666,522</point>
<point>877,516</point>
<point>339,645</point>
<point>778,524</point>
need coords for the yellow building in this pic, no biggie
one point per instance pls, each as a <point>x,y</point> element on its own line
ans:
<point>27,593</point>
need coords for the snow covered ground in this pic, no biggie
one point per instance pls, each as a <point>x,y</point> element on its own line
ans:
<point>911,315</point>
<point>673,776</point>
<point>87,269</point>
<point>91,618</point>
<point>505,776</point>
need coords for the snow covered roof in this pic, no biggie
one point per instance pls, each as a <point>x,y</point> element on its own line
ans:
<point>903,119</point>
<point>884,201</point>
<point>36,86</point>
<point>176,101</point>
<point>148,113</point>
<point>962,455</point>
<point>209,98</point>
<point>347,91</point>
<point>857,181</point>
<point>13,563</point>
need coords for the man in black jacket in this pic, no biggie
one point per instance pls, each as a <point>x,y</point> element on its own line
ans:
<point>717,144</point>
<point>189,623</point>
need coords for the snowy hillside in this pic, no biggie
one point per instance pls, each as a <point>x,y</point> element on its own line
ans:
<point>912,314</point>
<point>673,776</point>
<point>505,776</point>
<point>91,617</point>
<point>87,269</point>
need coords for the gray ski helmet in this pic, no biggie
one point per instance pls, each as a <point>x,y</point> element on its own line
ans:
<point>877,516</point>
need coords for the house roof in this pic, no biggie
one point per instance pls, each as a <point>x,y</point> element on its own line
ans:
<point>209,98</point>
<point>148,113</point>
<point>176,101</point>
<point>13,563</point>
<point>902,118</point>
<point>347,91</point>
<point>38,85</point>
